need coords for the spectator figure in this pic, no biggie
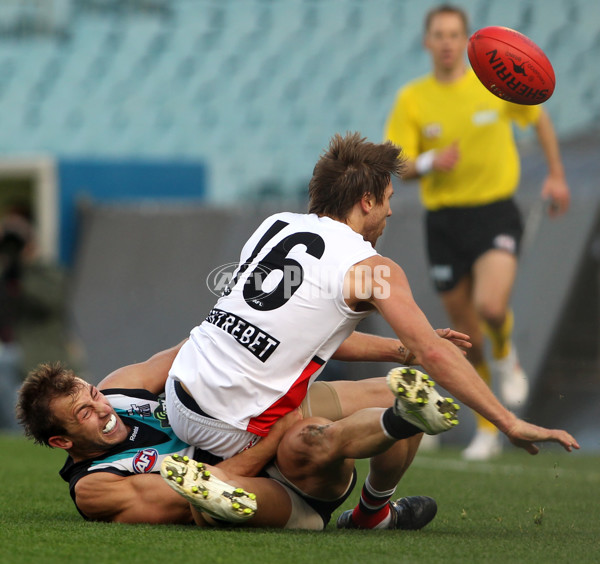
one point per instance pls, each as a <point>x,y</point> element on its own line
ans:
<point>33,309</point>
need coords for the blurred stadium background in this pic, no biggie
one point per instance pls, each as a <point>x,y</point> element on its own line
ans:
<point>151,136</point>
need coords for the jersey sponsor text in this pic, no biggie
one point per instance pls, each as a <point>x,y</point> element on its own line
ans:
<point>251,337</point>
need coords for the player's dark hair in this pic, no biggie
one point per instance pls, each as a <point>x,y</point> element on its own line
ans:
<point>44,384</point>
<point>350,168</point>
<point>447,9</point>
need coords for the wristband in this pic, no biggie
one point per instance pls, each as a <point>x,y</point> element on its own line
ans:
<point>424,162</point>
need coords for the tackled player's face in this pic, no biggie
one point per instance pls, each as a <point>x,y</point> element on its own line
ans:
<point>446,40</point>
<point>90,421</point>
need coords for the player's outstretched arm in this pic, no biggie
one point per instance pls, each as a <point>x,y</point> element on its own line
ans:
<point>393,298</point>
<point>363,347</point>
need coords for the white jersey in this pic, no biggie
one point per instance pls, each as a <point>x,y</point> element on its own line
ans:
<point>282,318</point>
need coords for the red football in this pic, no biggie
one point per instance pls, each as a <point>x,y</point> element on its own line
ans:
<point>510,65</point>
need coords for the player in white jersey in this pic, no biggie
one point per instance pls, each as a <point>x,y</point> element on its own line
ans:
<point>350,191</point>
<point>251,361</point>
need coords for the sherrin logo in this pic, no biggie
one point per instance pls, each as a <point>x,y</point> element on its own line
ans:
<point>511,78</point>
<point>145,460</point>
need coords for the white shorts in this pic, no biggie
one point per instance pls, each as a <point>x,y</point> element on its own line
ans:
<point>305,513</point>
<point>302,516</point>
<point>217,437</point>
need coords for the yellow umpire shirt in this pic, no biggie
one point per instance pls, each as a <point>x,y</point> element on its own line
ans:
<point>429,115</point>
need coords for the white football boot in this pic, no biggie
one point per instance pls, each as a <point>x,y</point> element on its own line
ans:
<point>485,445</point>
<point>418,402</point>
<point>513,383</point>
<point>205,491</point>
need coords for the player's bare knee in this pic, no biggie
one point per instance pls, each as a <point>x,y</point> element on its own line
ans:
<point>308,440</point>
<point>491,311</point>
<point>314,432</point>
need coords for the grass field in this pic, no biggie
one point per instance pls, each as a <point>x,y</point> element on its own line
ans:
<point>519,508</point>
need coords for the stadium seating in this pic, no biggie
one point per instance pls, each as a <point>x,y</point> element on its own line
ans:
<point>255,88</point>
<point>252,87</point>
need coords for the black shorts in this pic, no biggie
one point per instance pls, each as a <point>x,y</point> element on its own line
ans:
<point>456,237</point>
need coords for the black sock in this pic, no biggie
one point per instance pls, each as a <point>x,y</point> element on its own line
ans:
<point>397,427</point>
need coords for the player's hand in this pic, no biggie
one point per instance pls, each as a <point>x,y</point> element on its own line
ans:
<point>556,192</point>
<point>525,435</point>
<point>461,340</point>
<point>445,159</point>
<point>252,460</point>
<point>282,425</point>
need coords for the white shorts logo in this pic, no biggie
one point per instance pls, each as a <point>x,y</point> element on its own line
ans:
<point>441,272</point>
<point>505,243</point>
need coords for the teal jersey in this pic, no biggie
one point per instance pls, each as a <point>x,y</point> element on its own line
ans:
<point>150,439</point>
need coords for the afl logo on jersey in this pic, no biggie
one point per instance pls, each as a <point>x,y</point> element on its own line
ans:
<point>144,460</point>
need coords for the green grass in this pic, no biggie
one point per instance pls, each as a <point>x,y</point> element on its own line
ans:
<point>541,509</point>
